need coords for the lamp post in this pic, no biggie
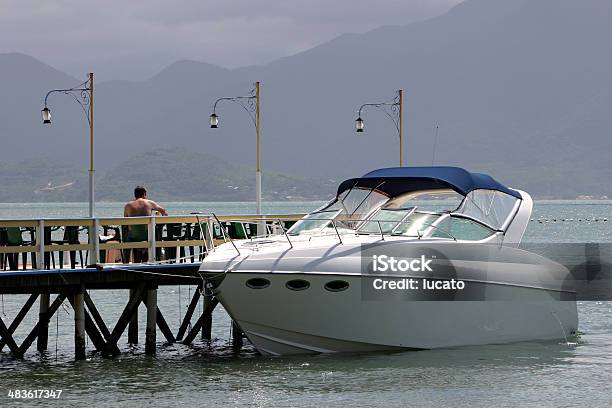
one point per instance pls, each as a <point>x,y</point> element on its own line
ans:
<point>83,94</point>
<point>250,103</point>
<point>393,109</point>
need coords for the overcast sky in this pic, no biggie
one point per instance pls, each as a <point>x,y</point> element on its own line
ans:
<point>128,39</point>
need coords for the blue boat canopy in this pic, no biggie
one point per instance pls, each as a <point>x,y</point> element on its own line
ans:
<point>395,181</point>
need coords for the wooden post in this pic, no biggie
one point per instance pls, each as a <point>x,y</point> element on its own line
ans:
<point>40,244</point>
<point>43,322</point>
<point>236,337</point>
<point>162,324</point>
<point>133,326</point>
<point>152,241</point>
<point>27,342</point>
<point>96,243</point>
<point>207,322</point>
<point>79,325</point>
<point>151,331</point>
<point>124,319</point>
<point>91,329</point>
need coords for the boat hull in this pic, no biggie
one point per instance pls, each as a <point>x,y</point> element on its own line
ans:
<point>510,295</point>
<point>279,321</point>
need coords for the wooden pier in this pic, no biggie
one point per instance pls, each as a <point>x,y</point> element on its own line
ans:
<point>174,248</point>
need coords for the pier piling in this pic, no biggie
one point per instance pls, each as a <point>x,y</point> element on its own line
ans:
<point>43,321</point>
<point>237,341</point>
<point>133,326</point>
<point>90,328</point>
<point>111,347</point>
<point>79,325</point>
<point>27,342</point>
<point>207,324</point>
<point>151,330</point>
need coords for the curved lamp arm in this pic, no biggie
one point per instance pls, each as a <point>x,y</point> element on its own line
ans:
<point>79,93</point>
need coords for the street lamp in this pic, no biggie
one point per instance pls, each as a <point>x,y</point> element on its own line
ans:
<point>393,109</point>
<point>46,115</point>
<point>83,94</point>
<point>214,121</point>
<point>250,103</point>
<point>359,124</point>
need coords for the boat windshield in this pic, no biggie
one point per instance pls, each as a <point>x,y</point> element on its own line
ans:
<point>369,211</point>
<point>345,212</point>
<point>491,207</point>
<point>402,221</point>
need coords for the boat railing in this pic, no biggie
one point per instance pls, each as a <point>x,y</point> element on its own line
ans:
<point>177,238</point>
<point>276,226</point>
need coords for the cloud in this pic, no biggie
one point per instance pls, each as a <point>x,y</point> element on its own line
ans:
<point>130,39</point>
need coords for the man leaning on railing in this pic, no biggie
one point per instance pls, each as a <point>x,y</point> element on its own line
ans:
<point>141,206</point>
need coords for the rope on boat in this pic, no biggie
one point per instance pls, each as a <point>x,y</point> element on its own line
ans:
<point>154,273</point>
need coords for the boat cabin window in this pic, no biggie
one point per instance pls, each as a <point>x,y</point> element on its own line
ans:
<point>492,207</point>
<point>315,221</point>
<point>347,210</point>
<point>461,228</point>
<point>416,224</point>
<point>442,200</point>
<point>386,220</point>
<point>411,214</point>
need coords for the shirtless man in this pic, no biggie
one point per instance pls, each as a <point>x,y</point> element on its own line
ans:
<point>141,206</point>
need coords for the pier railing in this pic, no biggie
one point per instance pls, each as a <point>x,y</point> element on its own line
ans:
<point>119,239</point>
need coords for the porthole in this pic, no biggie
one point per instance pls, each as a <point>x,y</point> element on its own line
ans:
<point>337,285</point>
<point>297,284</point>
<point>258,283</point>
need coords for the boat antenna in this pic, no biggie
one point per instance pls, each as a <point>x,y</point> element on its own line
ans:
<point>435,144</point>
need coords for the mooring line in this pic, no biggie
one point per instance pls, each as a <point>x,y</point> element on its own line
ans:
<point>155,273</point>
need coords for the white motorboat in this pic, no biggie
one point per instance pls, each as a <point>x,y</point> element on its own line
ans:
<point>382,266</point>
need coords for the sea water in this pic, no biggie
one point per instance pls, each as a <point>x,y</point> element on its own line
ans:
<point>525,374</point>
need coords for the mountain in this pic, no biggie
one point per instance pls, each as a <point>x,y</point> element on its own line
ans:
<point>41,180</point>
<point>520,88</point>
<point>188,175</point>
<point>171,174</point>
